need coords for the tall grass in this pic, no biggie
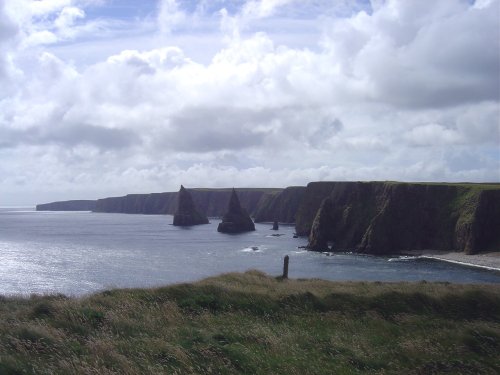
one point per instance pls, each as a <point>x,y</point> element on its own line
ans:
<point>253,324</point>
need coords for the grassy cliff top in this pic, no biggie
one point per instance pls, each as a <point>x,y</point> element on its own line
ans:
<point>474,185</point>
<point>254,324</point>
<point>265,190</point>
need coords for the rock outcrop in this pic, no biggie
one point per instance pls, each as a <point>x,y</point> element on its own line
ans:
<point>321,225</point>
<point>281,206</point>
<point>236,219</point>
<point>187,214</point>
<point>388,217</point>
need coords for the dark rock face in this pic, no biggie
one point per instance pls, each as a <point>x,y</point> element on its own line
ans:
<point>75,205</point>
<point>320,231</point>
<point>281,206</point>
<point>236,219</point>
<point>187,214</point>
<point>210,202</point>
<point>382,218</point>
<point>368,217</point>
<point>148,204</point>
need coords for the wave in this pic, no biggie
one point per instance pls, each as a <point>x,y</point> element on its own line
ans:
<point>252,249</point>
<point>403,258</point>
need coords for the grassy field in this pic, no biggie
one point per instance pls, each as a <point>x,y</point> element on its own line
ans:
<point>254,324</point>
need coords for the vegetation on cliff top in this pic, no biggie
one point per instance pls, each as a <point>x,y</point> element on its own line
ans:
<point>254,324</point>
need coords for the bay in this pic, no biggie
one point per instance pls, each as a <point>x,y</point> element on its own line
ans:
<point>76,253</point>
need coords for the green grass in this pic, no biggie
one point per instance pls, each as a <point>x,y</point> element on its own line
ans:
<point>253,324</point>
<point>468,185</point>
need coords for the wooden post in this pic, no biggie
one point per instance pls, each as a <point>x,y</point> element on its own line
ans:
<point>285,266</point>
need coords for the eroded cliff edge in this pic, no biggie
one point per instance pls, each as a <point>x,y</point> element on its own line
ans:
<point>281,206</point>
<point>369,217</point>
<point>389,217</point>
<point>210,202</point>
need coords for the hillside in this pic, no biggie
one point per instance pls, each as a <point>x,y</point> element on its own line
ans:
<point>254,324</point>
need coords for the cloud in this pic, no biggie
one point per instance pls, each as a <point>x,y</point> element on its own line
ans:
<point>170,16</point>
<point>395,90</point>
<point>433,134</point>
<point>212,129</point>
<point>418,55</point>
<point>69,136</point>
<point>8,34</point>
<point>262,8</point>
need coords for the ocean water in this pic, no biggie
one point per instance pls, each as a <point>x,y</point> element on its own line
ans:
<point>77,253</point>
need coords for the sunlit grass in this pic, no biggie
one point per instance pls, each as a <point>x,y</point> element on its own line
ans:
<point>255,324</point>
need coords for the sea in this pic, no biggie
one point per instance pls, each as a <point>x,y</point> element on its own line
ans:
<point>79,253</point>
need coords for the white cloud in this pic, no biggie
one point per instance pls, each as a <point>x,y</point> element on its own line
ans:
<point>262,8</point>
<point>170,16</point>
<point>397,93</point>
<point>433,134</point>
<point>67,18</point>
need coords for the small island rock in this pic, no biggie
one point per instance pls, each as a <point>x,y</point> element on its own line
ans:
<point>236,219</point>
<point>187,214</point>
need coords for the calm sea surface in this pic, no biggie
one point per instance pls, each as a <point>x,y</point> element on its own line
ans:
<point>77,253</point>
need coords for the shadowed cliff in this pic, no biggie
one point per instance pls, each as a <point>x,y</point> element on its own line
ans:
<point>210,202</point>
<point>370,217</point>
<point>281,206</point>
<point>387,217</point>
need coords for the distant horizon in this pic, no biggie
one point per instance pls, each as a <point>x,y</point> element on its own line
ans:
<point>247,187</point>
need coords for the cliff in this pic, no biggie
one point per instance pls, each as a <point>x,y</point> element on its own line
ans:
<point>148,204</point>
<point>280,206</point>
<point>187,213</point>
<point>75,205</point>
<point>210,202</point>
<point>370,217</point>
<point>387,217</point>
<point>236,219</point>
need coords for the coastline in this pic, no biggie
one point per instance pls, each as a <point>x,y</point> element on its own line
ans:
<point>489,261</point>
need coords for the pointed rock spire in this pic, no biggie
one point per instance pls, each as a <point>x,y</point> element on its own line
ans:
<point>186,213</point>
<point>276,225</point>
<point>236,219</point>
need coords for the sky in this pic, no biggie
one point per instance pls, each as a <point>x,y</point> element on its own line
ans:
<point>109,97</point>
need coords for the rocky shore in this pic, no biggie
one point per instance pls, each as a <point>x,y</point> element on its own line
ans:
<point>489,260</point>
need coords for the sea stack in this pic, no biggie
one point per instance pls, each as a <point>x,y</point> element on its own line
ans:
<point>187,214</point>
<point>236,219</point>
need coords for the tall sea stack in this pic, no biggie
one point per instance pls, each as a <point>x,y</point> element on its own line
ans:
<point>236,219</point>
<point>186,213</point>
